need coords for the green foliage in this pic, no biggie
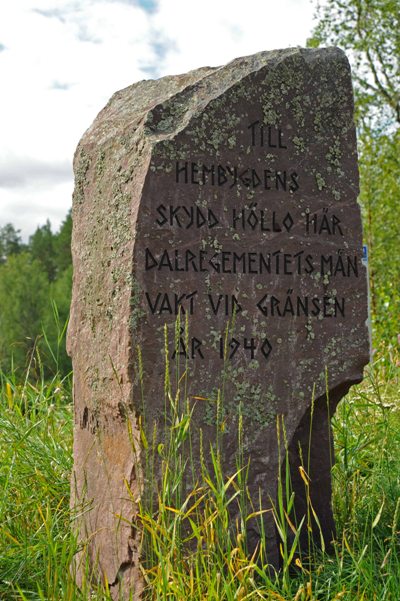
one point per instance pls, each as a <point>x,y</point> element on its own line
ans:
<point>35,295</point>
<point>380,203</point>
<point>367,481</point>
<point>10,242</point>
<point>62,245</point>
<point>37,543</point>
<point>370,31</point>
<point>53,251</point>
<point>41,247</point>
<point>34,476</point>
<point>24,293</point>
<point>56,321</point>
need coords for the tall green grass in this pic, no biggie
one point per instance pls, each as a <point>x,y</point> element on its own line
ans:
<point>191,550</point>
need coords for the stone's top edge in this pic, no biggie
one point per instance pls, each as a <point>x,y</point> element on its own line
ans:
<point>149,92</point>
<point>140,105</point>
<point>310,54</point>
<point>132,103</point>
<point>174,114</point>
<point>194,74</point>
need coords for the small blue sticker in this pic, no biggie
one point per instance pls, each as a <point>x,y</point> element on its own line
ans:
<point>365,253</point>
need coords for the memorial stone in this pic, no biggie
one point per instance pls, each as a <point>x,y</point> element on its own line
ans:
<point>226,198</point>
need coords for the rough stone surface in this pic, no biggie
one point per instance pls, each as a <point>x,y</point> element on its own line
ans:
<point>227,195</point>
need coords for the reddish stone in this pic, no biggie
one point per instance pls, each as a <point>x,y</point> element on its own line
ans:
<point>219,192</point>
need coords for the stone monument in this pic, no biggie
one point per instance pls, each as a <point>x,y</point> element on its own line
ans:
<point>226,197</point>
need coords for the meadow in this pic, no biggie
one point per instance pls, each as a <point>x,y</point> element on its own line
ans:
<point>188,550</point>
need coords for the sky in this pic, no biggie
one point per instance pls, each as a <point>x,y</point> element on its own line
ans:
<point>61,61</point>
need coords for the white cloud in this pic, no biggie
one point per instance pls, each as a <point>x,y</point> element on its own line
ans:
<point>61,61</point>
<point>211,33</point>
<point>21,172</point>
<point>26,209</point>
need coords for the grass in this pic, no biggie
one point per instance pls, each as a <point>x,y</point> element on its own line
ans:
<point>191,549</point>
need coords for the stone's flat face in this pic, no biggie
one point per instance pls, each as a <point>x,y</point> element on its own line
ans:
<point>227,198</point>
<point>251,211</point>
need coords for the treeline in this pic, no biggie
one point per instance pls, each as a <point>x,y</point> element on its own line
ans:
<point>35,295</point>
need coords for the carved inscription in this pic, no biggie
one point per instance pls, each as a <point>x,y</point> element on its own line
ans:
<point>263,258</point>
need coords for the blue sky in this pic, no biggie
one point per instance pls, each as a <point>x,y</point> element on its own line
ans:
<point>61,60</point>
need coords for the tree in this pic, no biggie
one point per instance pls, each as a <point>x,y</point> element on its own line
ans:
<point>369,30</point>
<point>41,246</point>
<point>10,242</point>
<point>62,245</point>
<point>24,294</point>
<point>35,295</point>
<point>380,205</point>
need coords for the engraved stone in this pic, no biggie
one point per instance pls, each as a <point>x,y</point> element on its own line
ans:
<point>227,197</point>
